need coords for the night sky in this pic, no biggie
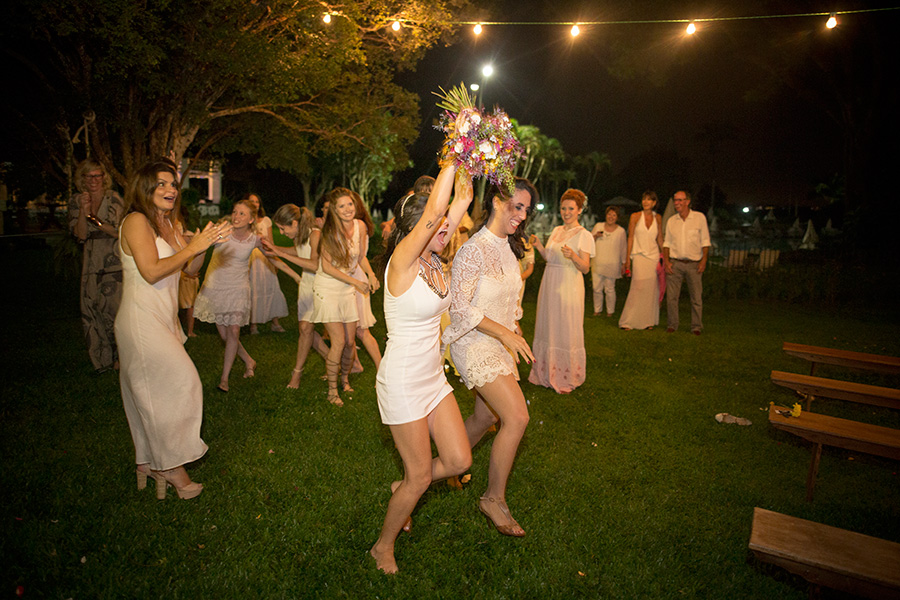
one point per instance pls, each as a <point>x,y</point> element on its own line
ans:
<point>785,143</point>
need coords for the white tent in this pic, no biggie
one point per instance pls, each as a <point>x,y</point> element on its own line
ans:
<point>810,238</point>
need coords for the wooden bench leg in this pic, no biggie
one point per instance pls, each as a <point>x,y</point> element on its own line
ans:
<point>813,472</point>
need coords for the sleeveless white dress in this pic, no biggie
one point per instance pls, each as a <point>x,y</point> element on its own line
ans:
<point>485,282</point>
<point>641,308</point>
<point>267,301</point>
<point>161,390</point>
<point>305,302</point>
<point>224,297</point>
<point>411,381</point>
<point>335,301</point>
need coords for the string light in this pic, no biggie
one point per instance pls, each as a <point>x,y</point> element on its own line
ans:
<point>327,18</point>
<point>477,29</point>
<point>691,28</point>
<point>396,26</point>
<point>575,30</point>
<point>831,23</point>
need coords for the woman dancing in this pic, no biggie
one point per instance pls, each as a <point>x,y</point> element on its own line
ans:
<point>414,398</point>
<point>298,224</point>
<point>641,310</point>
<point>484,345</point>
<point>267,301</point>
<point>363,272</point>
<point>224,297</point>
<point>161,389</point>
<point>334,291</point>
<point>94,216</point>
<point>559,357</point>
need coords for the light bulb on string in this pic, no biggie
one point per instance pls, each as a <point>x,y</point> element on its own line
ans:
<point>477,29</point>
<point>691,28</point>
<point>575,30</point>
<point>831,23</point>
<point>395,26</point>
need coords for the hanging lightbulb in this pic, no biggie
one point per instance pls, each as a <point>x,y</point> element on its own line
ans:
<point>396,26</point>
<point>691,28</point>
<point>831,23</point>
<point>326,18</point>
<point>477,29</point>
<point>575,30</point>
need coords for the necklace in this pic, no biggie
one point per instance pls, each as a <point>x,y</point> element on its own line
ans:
<point>436,269</point>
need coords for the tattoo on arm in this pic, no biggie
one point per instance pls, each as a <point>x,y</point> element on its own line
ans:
<point>429,224</point>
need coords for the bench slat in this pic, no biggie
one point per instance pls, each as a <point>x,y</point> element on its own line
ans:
<point>826,555</point>
<point>840,390</point>
<point>844,358</point>
<point>840,433</point>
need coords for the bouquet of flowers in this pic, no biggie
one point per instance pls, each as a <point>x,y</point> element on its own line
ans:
<point>483,144</point>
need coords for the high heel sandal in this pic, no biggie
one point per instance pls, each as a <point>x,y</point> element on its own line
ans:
<point>512,528</point>
<point>191,490</point>
<point>299,375</point>
<point>334,397</point>
<point>142,478</point>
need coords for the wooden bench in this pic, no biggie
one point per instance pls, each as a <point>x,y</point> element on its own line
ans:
<point>823,430</point>
<point>843,358</point>
<point>839,390</point>
<point>827,556</point>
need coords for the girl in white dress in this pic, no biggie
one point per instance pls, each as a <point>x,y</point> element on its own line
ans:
<point>363,272</point>
<point>484,343</point>
<point>161,389</point>
<point>641,310</point>
<point>334,291</point>
<point>298,224</point>
<point>414,398</point>
<point>267,301</point>
<point>224,297</point>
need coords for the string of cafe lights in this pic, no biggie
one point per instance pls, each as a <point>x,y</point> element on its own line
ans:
<point>691,25</point>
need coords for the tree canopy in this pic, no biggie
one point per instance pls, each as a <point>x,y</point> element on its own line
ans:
<point>270,77</point>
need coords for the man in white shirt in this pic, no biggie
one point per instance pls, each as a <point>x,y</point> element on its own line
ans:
<point>685,252</point>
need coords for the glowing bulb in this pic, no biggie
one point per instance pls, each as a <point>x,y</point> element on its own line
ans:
<point>575,30</point>
<point>327,18</point>
<point>831,23</point>
<point>474,87</point>
<point>691,28</point>
<point>746,209</point>
<point>477,29</point>
<point>396,26</point>
<point>487,70</point>
<point>540,206</point>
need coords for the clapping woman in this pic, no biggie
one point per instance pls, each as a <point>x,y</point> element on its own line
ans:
<point>414,398</point>
<point>161,389</point>
<point>484,343</point>
<point>559,357</point>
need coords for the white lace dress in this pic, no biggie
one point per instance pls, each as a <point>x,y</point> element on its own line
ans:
<point>224,298</point>
<point>485,282</point>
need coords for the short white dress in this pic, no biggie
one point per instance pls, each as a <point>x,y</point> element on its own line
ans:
<point>485,282</point>
<point>411,381</point>
<point>266,298</point>
<point>305,301</point>
<point>334,300</point>
<point>224,297</point>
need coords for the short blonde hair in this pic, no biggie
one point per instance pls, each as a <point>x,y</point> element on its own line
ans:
<point>86,166</point>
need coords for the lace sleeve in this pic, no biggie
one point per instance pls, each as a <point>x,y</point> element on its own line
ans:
<point>464,316</point>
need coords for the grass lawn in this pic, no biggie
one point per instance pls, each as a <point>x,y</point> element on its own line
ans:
<point>628,487</point>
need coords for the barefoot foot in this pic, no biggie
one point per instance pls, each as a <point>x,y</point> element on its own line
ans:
<point>384,560</point>
<point>294,383</point>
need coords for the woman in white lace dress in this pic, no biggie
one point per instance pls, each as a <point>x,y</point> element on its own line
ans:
<point>484,343</point>
<point>414,398</point>
<point>224,298</point>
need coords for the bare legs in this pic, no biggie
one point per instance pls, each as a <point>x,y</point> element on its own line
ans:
<point>189,321</point>
<point>413,441</point>
<point>230,334</point>
<point>370,344</point>
<point>339,358</point>
<point>503,397</point>
<point>303,346</point>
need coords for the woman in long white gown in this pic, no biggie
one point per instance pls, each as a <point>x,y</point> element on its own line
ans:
<point>484,342</point>
<point>641,309</point>
<point>161,390</point>
<point>414,398</point>
<point>267,302</point>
